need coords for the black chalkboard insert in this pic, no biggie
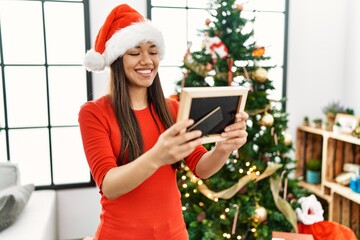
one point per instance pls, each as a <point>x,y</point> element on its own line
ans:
<point>228,105</point>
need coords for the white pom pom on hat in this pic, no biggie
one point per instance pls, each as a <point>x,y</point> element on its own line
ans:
<point>94,61</point>
<point>124,28</point>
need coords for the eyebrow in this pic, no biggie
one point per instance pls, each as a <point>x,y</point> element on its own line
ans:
<point>151,46</point>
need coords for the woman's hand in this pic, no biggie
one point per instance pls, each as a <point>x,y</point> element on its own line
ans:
<point>175,143</point>
<point>235,133</point>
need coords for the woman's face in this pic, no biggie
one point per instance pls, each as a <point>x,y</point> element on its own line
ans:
<point>141,65</point>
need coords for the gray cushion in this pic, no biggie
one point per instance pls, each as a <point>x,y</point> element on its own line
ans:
<point>12,202</point>
<point>9,175</point>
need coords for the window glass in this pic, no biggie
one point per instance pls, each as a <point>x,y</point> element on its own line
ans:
<point>26,96</point>
<point>65,37</point>
<point>29,148</point>
<point>266,5</point>
<point>169,76</point>
<point>22,20</point>
<point>2,112</point>
<point>197,19</point>
<point>43,87</point>
<point>198,3</point>
<point>3,157</point>
<point>69,162</point>
<point>177,3</point>
<point>276,75</point>
<point>64,108</point>
<point>271,36</point>
<point>174,31</point>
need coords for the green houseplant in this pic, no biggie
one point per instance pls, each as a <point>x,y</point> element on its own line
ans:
<point>317,122</point>
<point>306,121</point>
<point>313,171</point>
<point>337,128</point>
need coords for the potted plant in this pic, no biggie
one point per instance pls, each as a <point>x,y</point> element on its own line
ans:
<point>317,122</point>
<point>313,171</point>
<point>306,121</point>
<point>337,128</point>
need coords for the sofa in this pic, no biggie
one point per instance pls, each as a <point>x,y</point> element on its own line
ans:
<point>25,213</point>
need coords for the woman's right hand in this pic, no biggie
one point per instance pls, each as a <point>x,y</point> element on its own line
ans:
<point>175,143</point>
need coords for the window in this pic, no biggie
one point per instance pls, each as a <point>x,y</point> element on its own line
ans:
<point>180,21</point>
<point>42,86</point>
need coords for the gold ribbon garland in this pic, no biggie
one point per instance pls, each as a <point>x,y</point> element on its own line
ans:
<point>284,206</point>
<point>231,191</point>
<point>258,111</point>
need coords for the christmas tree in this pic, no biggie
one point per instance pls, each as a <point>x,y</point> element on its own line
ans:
<point>252,195</point>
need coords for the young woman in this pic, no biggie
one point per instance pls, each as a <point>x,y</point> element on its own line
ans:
<point>131,141</point>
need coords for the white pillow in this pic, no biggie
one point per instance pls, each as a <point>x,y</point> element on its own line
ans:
<point>9,175</point>
<point>12,202</point>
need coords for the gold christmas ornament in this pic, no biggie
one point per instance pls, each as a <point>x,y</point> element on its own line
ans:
<point>287,138</point>
<point>260,214</point>
<point>267,120</point>
<point>260,75</point>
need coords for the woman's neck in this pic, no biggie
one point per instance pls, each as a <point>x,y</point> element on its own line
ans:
<point>138,99</point>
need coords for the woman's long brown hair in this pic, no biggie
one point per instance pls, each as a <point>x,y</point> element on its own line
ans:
<point>132,145</point>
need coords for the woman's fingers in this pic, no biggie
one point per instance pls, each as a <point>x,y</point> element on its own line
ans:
<point>179,127</point>
<point>175,143</point>
<point>237,129</point>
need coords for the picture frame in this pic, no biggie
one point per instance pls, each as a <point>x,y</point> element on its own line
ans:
<point>347,122</point>
<point>212,108</point>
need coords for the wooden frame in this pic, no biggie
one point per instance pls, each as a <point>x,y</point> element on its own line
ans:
<point>197,102</point>
<point>348,122</point>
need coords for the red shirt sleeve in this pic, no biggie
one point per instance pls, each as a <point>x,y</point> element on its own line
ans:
<point>97,130</point>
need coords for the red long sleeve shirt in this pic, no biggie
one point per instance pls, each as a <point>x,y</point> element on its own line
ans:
<point>152,210</point>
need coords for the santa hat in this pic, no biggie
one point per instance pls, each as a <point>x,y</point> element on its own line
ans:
<point>123,29</point>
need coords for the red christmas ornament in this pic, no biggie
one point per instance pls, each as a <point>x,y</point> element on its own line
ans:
<point>239,7</point>
<point>174,96</point>
<point>291,196</point>
<point>230,62</point>
<point>216,47</point>
<point>207,22</point>
<point>201,216</point>
<point>209,67</point>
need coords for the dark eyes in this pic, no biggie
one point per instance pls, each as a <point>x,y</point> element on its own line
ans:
<point>137,54</point>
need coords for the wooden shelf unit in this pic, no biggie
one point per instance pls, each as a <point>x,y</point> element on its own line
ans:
<point>334,150</point>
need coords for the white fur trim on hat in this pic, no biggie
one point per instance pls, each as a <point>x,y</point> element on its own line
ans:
<point>123,40</point>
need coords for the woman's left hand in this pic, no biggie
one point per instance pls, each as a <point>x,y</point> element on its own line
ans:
<point>235,133</point>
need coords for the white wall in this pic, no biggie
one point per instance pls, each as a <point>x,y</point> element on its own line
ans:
<point>323,65</point>
<point>352,69</point>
